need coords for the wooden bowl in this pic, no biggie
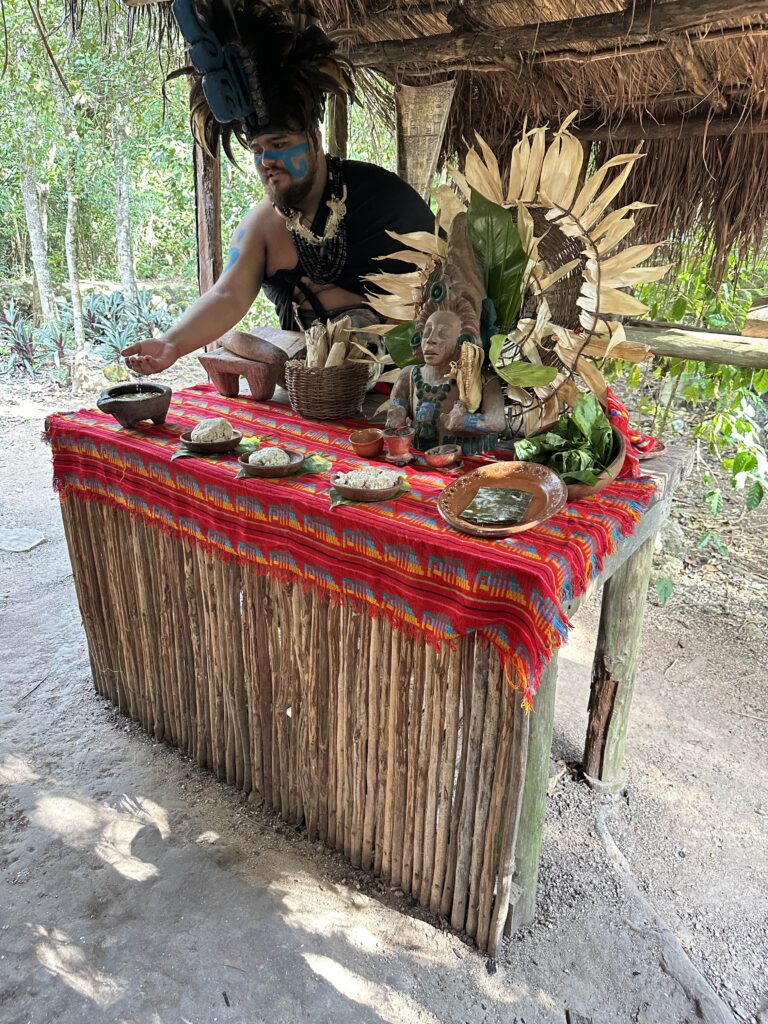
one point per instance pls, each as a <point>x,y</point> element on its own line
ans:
<point>367,443</point>
<point>443,456</point>
<point>578,491</point>
<point>655,453</point>
<point>548,490</point>
<point>297,461</point>
<point>130,403</point>
<point>365,493</point>
<point>211,447</point>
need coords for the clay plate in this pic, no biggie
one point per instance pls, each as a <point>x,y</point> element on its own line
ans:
<point>211,447</point>
<point>548,490</point>
<point>364,493</point>
<point>297,461</point>
<point>655,453</point>
<point>577,491</point>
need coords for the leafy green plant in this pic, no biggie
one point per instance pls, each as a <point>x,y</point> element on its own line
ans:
<point>17,340</point>
<point>579,448</point>
<point>496,242</point>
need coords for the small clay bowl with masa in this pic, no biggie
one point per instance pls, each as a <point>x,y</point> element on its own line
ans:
<point>443,456</point>
<point>211,447</point>
<point>297,461</point>
<point>130,403</point>
<point>366,493</point>
<point>367,443</point>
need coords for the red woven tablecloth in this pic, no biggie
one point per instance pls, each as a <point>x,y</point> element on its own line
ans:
<point>398,559</point>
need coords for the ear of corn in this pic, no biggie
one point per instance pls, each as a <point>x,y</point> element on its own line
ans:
<point>469,377</point>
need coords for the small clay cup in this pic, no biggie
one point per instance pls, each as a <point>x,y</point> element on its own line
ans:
<point>443,456</point>
<point>398,441</point>
<point>367,443</point>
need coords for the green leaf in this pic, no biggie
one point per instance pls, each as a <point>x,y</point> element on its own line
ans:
<point>744,462</point>
<point>715,501</point>
<point>527,375</point>
<point>585,476</point>
<point>398,342</point>
<point>497,245</point>
<point>702,542</point>
<point>497,344</point>
<point>678,308</point>
<point>664,589</point>
<point>339,499</point>
<point>315,464</point>
<point>586,414</point>
<point>755,495</point>
<point>722,549</point>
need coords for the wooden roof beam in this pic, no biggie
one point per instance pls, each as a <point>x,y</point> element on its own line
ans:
<point>600,30</point>
<point>695,73</point>
<point>676,128</point>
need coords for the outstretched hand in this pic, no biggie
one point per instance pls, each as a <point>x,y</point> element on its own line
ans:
<point>152,356</point>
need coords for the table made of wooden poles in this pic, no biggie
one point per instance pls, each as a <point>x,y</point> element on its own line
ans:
<point>418,765</point>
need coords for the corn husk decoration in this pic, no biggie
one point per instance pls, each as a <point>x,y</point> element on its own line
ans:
<point>469,378</point>
<point>545,176</point>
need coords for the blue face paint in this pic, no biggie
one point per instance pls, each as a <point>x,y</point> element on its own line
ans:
<point>292,159</point>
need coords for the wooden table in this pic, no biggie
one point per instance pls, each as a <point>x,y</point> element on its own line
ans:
<point>417,765</point>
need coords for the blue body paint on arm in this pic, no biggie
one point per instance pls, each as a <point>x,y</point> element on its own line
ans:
<point>234,252</point>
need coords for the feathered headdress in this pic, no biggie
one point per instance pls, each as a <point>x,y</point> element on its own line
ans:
<point>256,68</point>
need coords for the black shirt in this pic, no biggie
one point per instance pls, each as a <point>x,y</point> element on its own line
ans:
<point>377,201</point>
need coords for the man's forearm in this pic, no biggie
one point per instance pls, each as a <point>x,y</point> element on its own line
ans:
<point>212,315</point>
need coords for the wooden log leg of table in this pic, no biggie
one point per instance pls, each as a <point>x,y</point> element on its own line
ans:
<point>531,828</point>
<point>613,670</point>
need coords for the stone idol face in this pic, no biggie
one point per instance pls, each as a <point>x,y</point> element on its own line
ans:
<point>445,397</point>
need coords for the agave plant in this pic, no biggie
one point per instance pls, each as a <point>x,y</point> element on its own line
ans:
<point>549,247</point>
<point>17,339</point>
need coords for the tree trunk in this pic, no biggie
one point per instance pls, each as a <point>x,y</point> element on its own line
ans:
<point>38,241</point>
<point>123,218</point>
<point>79,374</point>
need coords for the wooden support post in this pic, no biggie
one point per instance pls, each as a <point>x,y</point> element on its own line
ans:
<point>208,217</point>
<point>522,909</point>
<point>613,671</point>
<point>338,126</point>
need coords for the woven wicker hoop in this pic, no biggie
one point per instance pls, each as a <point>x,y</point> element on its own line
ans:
<point>328,393</point>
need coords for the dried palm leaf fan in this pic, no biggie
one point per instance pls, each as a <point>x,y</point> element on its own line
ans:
<point>553,269</point>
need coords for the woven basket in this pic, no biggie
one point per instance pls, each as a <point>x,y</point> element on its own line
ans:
<point>330,393</point>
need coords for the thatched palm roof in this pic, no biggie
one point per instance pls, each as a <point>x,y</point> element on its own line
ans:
<point>690,76</point>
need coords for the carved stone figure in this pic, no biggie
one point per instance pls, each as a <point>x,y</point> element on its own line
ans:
<point>445,396</point>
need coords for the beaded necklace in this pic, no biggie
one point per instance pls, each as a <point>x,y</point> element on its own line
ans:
<point>322,257</point>
<point>435,395</point>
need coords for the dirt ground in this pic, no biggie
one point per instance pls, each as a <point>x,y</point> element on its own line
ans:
<point>136,888</point>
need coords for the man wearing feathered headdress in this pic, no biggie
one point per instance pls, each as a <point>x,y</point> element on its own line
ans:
<point>262,75</point>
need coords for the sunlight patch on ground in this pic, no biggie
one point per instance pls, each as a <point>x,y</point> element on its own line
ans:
<point>66,961</point>
<point>208,838</point>
<point>390,1005</point>
<point>15,772</point>
<point>111,830</point>
<point>114,848</point>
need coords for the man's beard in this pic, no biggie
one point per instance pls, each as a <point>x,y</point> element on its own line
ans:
<point>290,196</point>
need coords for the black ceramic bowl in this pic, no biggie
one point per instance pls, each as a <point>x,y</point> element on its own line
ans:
<point>130,403</point>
